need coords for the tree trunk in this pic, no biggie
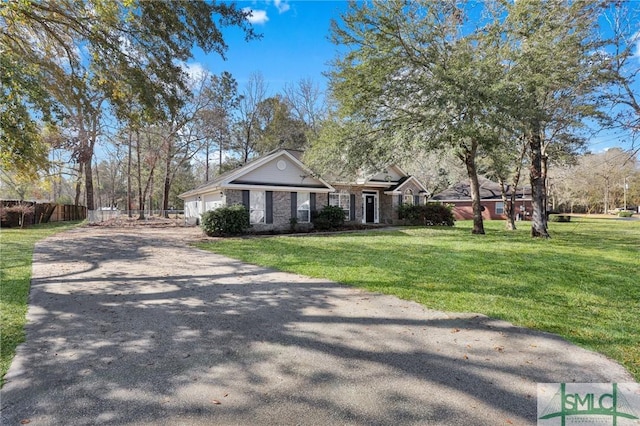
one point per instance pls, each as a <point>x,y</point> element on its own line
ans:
<point>129,176</point>
<point>140,196</point>
<point>78,185</point>
<point>538,214</point>
<point>206,166</point>
<point>88,184</point>
<point>509,204</point>
<point>472,172</point>
<point>167,179</point>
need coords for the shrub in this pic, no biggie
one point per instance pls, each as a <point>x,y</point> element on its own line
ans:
<point>330,217</point>
<point>559,218</point>
<point>231,220</point>
<point>625,213</point>
<point>430,214</point>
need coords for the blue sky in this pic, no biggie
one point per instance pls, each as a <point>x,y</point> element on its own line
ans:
<point>295,45</point>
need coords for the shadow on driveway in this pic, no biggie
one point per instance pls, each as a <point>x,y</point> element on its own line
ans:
<point>134,327</point>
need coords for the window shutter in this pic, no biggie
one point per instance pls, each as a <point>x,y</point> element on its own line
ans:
<point>416,200</point>
<point>400,199</point>
<point>312,201</point>
<point>245,199</point>
<point>294,204</point>
<point>352,207</point>
<point>268,206</point>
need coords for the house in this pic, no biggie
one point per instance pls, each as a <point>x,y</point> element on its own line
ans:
<point>279,186</point>
<point>459,196</point>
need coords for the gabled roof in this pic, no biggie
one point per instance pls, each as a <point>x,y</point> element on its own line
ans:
<point>489,190</point>
<point>249,175</point>
<point>403,183</point>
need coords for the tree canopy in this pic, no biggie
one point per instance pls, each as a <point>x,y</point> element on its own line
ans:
<point>466,77</point>
<point>130,51</point>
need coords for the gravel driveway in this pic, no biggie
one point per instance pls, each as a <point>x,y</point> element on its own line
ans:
<point>133,326</point>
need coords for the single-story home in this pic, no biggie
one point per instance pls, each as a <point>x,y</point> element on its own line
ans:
<point>279,186</point>
<point>459,196</point>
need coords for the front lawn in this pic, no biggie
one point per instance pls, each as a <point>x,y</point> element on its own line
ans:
<point>16,253</point>
<point>583,283</point>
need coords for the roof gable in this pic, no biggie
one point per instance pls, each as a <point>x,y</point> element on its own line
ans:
<point>388,174</point>
<point>281,169</point>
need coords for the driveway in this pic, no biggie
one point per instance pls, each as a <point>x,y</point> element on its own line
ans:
<point>133,326</point>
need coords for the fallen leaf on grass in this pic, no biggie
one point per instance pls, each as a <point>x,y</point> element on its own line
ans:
<point>216,402</point>
<point>25,421</point>
<point>455,330</point>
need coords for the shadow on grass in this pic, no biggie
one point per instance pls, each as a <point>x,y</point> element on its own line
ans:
<point>122,334</point>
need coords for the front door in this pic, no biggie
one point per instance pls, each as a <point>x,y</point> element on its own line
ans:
<point>369,208</point>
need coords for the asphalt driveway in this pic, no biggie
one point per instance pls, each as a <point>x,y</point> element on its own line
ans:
<point>133,326</point>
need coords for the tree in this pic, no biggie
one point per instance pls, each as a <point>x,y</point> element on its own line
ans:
<point>22,148</point>
<point>553,75</point>
<point>277,128</point>
<point>307,104</point>
<point>622,52</point>
<point>505,165</point>
<point>246,132</point>
<point>217,119</point>
<point>128,52</point>
<point>414,79</point>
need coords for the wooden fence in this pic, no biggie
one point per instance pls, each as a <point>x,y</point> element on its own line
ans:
<point>41,213</point>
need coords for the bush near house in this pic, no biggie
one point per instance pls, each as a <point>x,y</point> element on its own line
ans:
<point>230,220</point>
<point>329,218</point>
<point>430,214</point>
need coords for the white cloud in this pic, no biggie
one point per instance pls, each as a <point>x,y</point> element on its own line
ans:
<point>194,70</point>
<point>258,17</point>
<point>282,5</point>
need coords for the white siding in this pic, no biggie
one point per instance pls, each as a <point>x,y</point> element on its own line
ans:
<point>191,207</point>
<point>393,174</point>
<point>269,173</point>
<point>212,201</point>
<point>196,205</point>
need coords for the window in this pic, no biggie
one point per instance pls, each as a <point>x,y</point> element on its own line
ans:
<point>408,197</point>
<point>500,208</point>
<point>256,206</point>
<point>303,207</point>
<point>341,199</point>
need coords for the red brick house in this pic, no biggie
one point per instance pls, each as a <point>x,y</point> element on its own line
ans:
<point>459,195</point>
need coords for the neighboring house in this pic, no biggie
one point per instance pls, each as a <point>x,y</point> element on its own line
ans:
<point>278,187</point>
<point>459,196</point>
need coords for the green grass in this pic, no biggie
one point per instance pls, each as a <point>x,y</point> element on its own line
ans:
<point>583,283</point>
<point>16,255</point>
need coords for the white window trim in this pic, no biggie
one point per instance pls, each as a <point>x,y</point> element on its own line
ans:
<point>501,204</point>
<point>342,195</point>
<point>301,205</point>
<point>254,208</point>
<point>407,197</point>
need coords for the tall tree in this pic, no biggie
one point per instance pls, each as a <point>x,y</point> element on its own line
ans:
<point>307,104</point>
<point>216,120</point>
<point>622,18</point>
<point>554,73</point>
<point>277,127</point>
<point>247,128</point>
<point>415,78</point>
<point>132,51</point>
